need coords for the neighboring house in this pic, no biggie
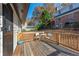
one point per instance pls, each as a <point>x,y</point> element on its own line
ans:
<point>67,15</point>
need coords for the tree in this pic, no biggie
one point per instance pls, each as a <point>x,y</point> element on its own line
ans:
<point>48,14</point>
<point>37,13</point>
<point>45,17</point>
<point>50,8</point>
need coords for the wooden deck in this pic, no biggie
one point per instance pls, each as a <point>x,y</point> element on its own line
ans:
<point>38,48</point>
<point>34,48</point>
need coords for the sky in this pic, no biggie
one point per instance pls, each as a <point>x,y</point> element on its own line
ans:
<point>31,9</point>
<point>34,5</point>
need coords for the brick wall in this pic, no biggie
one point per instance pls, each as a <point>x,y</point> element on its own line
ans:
<point>68,17</point>
<point>73,17</point>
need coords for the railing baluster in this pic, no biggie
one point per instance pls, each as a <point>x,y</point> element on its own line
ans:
<point>67,38</point>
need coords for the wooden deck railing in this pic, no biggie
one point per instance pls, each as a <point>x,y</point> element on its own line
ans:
<point>67,38</point>
<point>70,40</point>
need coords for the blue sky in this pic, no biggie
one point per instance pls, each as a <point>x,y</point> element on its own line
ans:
<point>31,9</point>
<point>34,5</point>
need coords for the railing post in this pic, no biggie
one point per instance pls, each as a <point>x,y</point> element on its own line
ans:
<point>59,38</point>
<point>78,42</point>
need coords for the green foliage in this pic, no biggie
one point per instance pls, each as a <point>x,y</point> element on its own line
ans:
<point>37,27</point>
<point>45,17</point>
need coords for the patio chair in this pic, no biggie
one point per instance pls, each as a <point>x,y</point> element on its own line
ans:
<point>38,35</point>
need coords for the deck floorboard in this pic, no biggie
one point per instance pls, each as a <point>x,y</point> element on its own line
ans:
<point>36,48</point>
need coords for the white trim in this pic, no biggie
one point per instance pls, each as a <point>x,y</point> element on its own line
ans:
<point>68,13</point>
<point>1,32</point>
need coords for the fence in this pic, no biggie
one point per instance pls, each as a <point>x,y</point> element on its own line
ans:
<point>67,38</point>
<point>70,39</point>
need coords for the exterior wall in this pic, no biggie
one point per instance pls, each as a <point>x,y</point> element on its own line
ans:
<point>67,14</point>
<point>70,17</point>
<point>17,20</point>
<point>76,16</point>
<point>67,9</point>
<point>7,29</point>
<point>73,17</point>
<point>16,30</point>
